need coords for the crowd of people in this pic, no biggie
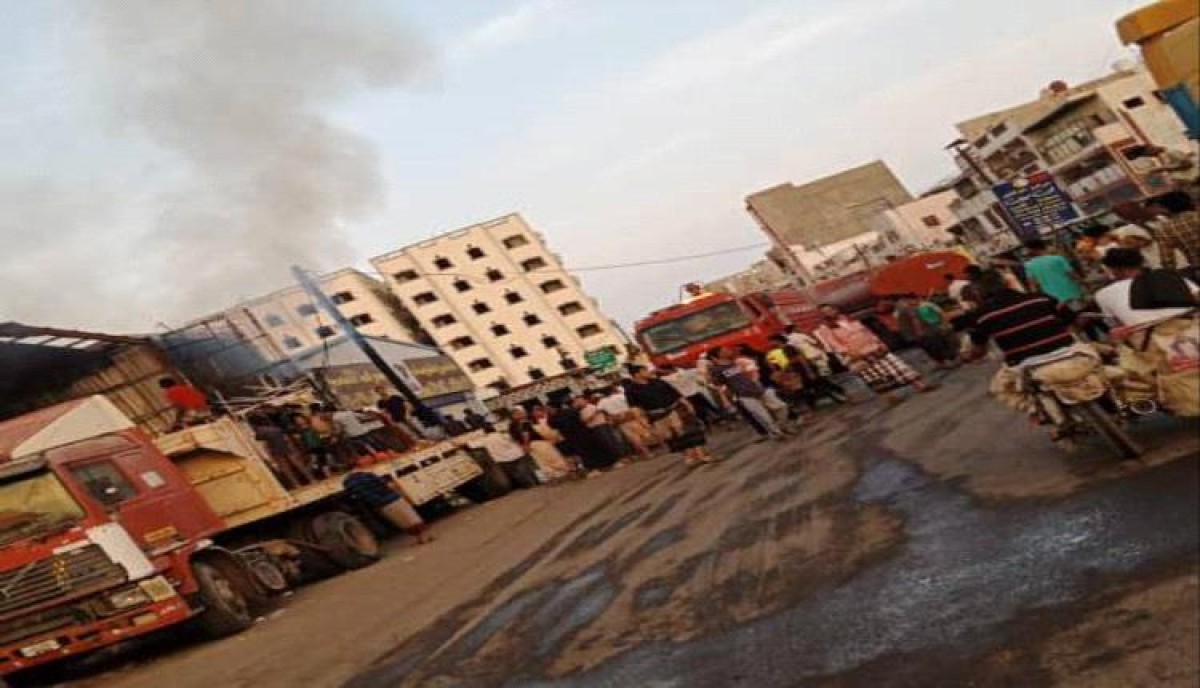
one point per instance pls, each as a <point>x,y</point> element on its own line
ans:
<point>1111,284</point>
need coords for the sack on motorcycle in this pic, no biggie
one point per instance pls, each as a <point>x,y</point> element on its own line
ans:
<point>1169,354</point>
<point>1073,380</point>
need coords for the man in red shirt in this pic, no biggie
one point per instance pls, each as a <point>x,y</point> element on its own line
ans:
<point>190,405</point>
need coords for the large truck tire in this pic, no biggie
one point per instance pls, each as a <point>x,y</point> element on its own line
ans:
<point>491,484</point>
<point>226,607</point>
<point>346,540</point>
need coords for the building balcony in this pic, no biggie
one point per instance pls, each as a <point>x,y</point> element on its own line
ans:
<point>1092,150</point>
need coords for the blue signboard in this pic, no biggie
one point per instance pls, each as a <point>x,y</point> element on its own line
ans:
<point>1035,204</point>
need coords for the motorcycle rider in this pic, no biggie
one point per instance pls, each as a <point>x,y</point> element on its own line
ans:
<point>1021,325</point>
<point>1127,265</point>
<point>1158,346</point>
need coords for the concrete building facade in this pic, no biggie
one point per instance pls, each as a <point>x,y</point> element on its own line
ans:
<point>763,275</point>
<point>1079,134</point>
<point>829,209</point>
<point>494,298</point>
<point>924,223</point>
<point>294,322</point>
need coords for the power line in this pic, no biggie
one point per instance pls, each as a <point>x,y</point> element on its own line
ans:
<point>664,261</point>
<point>595,268</point>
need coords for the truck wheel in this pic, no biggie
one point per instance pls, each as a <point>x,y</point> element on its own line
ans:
<point>491,484</point>
<point>348,543</point>
<point>226,609</point>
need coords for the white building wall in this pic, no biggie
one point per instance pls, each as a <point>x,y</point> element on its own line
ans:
<point>294,322</point>
<point>435,291</point>
<point>923,223</point>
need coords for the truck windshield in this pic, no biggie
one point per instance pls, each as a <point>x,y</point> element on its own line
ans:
<point>35,504</point>
<point>694,328</point>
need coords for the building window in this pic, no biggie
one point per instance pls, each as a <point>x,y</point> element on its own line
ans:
<point>479,365</point>
<point>552,286</point>
<point>1134,103</point>
<point>568,363</point>
<point>571,308</point>
<point>589,330</point>
<point>475,253</point>
<point>291,343</point>
<point>325,332</point>
<point>999,130</point>
<point>531,319</point>
<point>535,263</point>
<point>425,298</point>
<point>405,276</point>
<point>462,285</point>
<point>444,320</point>
<point>536,374</point>
<point>512,297</point>
<point>518,352</point>
<point>273,320</point>
<point>460,343</point>
<point>362,319</point>
<point>516,241</point>
<point>306,309</point>
<point>549,342</point>
<point>500,385</point>
<point>499,330</point>
<point>442,263</point>
<point>494,275</point>
<point>342,297</point>
<point>481,307</point>
<point>931,221</point>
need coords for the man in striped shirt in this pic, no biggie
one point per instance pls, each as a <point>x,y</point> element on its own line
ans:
<point>1021,325</point>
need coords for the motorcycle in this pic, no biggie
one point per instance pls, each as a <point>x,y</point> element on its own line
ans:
<point>1072,393</point>
<point>1158,366</point>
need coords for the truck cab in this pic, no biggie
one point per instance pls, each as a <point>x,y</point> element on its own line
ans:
<point>97,533</point>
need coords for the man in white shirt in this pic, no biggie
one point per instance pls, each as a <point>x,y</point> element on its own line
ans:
<point>509,456</point>
<point>810,349</point>
<point>637,430</point>
<point>691,386</point>
<point>1114,300</point>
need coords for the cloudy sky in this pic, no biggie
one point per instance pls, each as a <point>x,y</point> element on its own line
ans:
<point>163,158</point>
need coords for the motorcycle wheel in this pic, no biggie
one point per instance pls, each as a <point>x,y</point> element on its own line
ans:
<point>1104,424</point>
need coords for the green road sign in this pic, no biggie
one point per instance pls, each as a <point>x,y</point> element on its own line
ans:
<point>601,360</point>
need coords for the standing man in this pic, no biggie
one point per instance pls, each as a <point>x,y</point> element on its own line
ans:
<point>473,420</point>
<point>1054,275</point>
<point>866,355</point>
<point>743,384</point>
<point>690,385</point>
<point>600,426</point>
<point>636,431</point>
<point>453,426</point>
<point>382,496</point>
<point>190,405</point>
<point>510,457</point>
<point>660,401</point>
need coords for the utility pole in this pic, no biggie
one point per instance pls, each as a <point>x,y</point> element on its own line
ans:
<point>800,274</point>
<point>958,146</point>
<point>425,414</point>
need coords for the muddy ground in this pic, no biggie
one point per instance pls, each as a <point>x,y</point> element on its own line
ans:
<point>944,542</point>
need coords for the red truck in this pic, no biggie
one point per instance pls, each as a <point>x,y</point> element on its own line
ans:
<point>678,334</point>
<point>107,534</point>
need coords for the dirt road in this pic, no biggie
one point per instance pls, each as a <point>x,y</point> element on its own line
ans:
<point>943,542</point>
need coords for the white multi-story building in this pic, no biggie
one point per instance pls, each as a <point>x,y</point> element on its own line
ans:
<point>923,223</point>
<point>494,298</point>
<point>293,321</point>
